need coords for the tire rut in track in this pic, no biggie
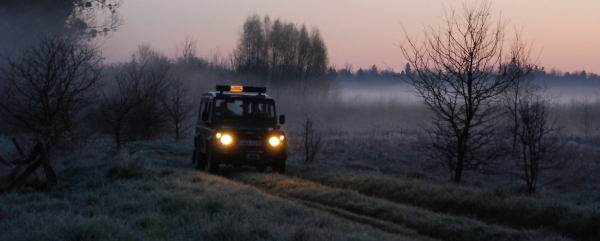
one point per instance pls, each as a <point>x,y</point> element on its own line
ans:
<point>383,214</point>
<point>354,217</point>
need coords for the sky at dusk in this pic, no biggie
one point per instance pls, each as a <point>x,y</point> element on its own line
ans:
<point>564,34</point>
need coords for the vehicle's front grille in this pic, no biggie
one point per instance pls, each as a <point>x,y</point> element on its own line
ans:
<point>250,143</point>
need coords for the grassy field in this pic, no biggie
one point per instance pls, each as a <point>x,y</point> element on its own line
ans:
<point>151,192</point>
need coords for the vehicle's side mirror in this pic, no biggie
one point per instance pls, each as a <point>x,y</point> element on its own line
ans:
<point>282,119</point>
<point>205,116</point>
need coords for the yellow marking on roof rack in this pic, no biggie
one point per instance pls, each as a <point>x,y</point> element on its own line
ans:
<point>236,88</point>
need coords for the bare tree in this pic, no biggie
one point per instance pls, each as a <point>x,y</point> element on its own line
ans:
<point>217,60</point>
<point>187,54</point>
<point>117,103</point>
<point>521,68</point>
<point>537,140</point>
<point>45,89</point>
<point>148,118</point>
<point>459,73</point>
<point>178,106</point>
<point>134,106</point>
<point>311,142</point>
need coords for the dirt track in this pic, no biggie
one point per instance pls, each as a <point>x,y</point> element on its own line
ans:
<point>383,214</point>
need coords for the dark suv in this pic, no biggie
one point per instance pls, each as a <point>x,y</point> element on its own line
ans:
<point>238,125</point>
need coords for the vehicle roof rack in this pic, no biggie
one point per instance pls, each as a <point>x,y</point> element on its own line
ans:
<point>241,89</point>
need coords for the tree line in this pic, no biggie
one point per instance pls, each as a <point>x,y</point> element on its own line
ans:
<point>280,52</point>
<point>376,74</point>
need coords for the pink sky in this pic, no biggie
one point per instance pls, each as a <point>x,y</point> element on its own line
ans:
<point>564,34</point>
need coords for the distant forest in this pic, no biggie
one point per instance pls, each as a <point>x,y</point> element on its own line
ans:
<point>375,74</point>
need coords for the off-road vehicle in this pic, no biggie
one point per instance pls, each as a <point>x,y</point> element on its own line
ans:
<point>238,125</point>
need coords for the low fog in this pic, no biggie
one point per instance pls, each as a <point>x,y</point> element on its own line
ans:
<point>394,107</point>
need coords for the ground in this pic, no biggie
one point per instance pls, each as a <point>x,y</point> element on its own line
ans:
<point>150,191</point>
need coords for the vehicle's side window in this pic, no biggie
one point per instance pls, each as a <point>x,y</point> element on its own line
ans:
<point>208,108</point>
<point>205,107</point>
<point>202,108</point>
<point>269,110</point>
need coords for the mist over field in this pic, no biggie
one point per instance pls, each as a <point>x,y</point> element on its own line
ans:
<point>401,92</point>
<point>394,106</point>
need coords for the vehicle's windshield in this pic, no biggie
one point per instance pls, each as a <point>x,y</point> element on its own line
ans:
<point>244,108</point>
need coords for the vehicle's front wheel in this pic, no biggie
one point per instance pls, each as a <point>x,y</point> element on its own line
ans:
<point>212,165</point>
<point>200,160</point>
<point>279,166</point>
<point>195,153</point>
<point>194,156</point>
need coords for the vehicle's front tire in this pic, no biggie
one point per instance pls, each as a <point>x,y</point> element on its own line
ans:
<point>200,161</point>
<point>279,166</point>
<point>212,165</point>
<point>194,156</point>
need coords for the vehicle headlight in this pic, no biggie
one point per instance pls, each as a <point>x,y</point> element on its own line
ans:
<point>226,139</point>
<point>274,141</point>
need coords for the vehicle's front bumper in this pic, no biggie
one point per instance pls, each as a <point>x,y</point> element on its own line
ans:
<point>249,156</point>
